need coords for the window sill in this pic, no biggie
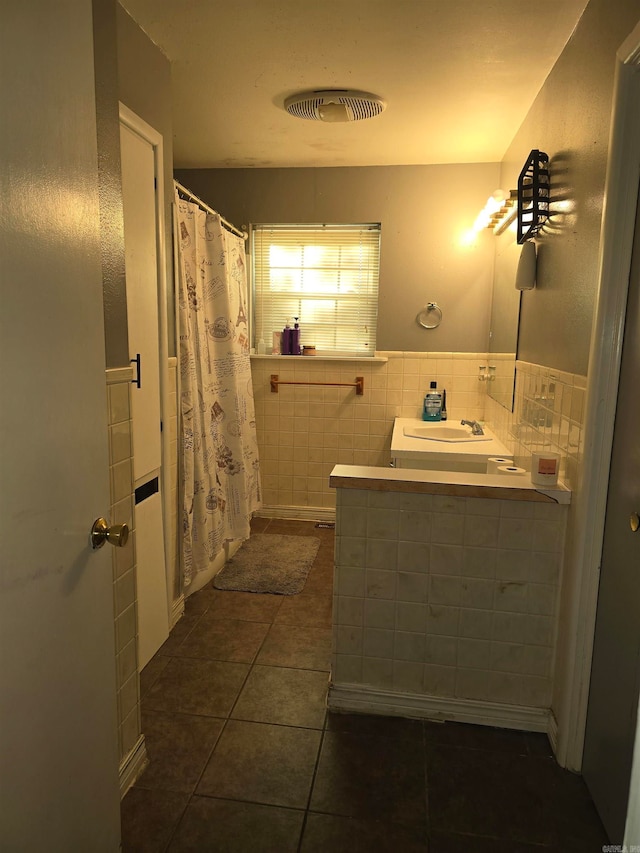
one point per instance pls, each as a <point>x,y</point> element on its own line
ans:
<point>368,359</point>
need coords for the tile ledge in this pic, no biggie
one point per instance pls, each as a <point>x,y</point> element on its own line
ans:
<point>449,483</point>
<point>368,359</point>
<point>118,374</point>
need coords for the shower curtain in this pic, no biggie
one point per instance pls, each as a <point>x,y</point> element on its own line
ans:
<point>220,467</point>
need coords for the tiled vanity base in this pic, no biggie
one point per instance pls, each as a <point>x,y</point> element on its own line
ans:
<point>445,596</point>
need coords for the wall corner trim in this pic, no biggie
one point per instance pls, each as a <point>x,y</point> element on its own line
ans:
<point>132,766</point>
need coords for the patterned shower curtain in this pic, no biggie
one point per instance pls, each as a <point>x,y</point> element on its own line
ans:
<point>221,476</point>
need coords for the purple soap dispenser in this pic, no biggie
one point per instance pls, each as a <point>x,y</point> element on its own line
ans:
<point>295,338</point>
<point>286,339</point>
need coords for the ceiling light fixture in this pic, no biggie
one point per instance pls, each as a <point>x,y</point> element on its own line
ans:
<point>334,105</point>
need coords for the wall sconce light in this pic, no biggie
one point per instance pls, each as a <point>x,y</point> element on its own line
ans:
<point>503,217</point>
<point>495,202</point>
<point>533,195</point>
<point>498,213</point>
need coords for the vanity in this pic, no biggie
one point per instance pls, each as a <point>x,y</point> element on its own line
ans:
<point>446,586</point>
<point>443,446</point>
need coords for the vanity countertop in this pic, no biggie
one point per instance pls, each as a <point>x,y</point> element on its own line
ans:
<point>407,447</point>
<point>459,484</point>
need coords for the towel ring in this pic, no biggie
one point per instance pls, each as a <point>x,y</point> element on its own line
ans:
<point>431,311</point>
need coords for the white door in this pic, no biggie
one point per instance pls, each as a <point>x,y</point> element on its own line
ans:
<point>615,674</point>
<point>59,787</point>
<point>141,254</point>
<point>139,201</point>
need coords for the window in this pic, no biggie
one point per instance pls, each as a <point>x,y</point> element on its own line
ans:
<point>327,276</point>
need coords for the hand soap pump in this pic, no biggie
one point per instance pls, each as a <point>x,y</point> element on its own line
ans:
<point>286,339</point>
<point>295,338</point>
<point>432,408</point>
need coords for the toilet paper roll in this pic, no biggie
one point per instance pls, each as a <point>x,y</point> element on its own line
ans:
<point>545,467</point>
<point>510,469</point>
<point>494,462</point>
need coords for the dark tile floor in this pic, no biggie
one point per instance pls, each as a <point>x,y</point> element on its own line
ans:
<point>244,757</point>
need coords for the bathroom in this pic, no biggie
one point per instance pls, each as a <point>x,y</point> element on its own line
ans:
<point>304,432</point>
<point>423,211</point>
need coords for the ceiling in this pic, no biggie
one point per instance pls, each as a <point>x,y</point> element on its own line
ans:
<point>458,76</point>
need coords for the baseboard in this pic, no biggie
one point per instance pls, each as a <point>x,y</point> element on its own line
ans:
<point>132,766</point>
<point>233,547</point>
<point>301,513</point>
<point>368,700</point>
<point>177,610</point>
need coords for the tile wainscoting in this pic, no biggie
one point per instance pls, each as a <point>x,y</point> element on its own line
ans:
<point>172,538</point>
<point>132,751</point>
<point>446,606</point>
<point>548,415</point>
<point>303,431</point>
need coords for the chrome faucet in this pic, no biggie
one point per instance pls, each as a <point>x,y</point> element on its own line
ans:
<point>476,429</point>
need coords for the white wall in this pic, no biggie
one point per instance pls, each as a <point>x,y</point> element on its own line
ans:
<point>569,120</point>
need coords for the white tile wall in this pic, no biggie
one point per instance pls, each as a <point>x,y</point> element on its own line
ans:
<point>172,478</point>
<point>303,431</point>
<point>448,597</point>
<point>548,415</point>
<point>124,584</point>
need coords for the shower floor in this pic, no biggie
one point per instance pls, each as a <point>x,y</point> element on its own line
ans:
<point>243,755</point>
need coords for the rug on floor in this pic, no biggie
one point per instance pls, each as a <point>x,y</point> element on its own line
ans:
<point>269,562</point>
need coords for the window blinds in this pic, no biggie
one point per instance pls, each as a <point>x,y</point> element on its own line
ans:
<point>327,276</point>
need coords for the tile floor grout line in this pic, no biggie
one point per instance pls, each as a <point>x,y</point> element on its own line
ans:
<point>313,780</point>
<point>251,668</point>
<point>220,734</point>
<point>175,828</point>
<point>427,814</point>
<point>229,717</point>
<point>213,748</point>
<point>249,671</point>
<point>193,792</point>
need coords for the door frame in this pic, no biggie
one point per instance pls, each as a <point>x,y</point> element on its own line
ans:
<point>616,244</point>
<point>133,121</point>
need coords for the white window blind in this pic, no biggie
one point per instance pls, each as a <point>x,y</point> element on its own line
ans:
<point>327,276</point>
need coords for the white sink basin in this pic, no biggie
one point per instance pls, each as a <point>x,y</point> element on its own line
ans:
<point>450,433</point>
<point>448,446</point>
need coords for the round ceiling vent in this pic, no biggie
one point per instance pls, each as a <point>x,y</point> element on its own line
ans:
<point>334,105</point>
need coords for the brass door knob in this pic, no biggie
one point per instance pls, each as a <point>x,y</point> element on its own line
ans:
<point>101,532</point>
<point>634,522</point>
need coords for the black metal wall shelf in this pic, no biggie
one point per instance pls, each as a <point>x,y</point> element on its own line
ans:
<point>533,195</point>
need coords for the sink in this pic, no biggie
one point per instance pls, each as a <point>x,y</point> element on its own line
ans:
<point>442,446</point>
<point>450,433</point>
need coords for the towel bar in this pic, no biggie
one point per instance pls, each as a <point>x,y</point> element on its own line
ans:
<point>358,384</point>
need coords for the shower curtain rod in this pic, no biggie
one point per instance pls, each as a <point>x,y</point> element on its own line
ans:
<point>208,209</point>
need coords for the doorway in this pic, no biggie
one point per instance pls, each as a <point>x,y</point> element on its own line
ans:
<point>615,673</point>
<point>604,755</point>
